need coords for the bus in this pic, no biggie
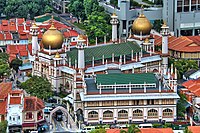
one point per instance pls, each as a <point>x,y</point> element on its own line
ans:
<point>147,125</point>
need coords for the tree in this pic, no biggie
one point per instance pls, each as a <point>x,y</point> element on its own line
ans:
<point>157,24</point>
<point>38,86</point>
<point>131,129</point>
<point>89,6</point>
<point>2,6</point>
<point>97,26</point>
<point>21,8</point>
<point>15,63</point>
<point>183,65</point>
<point>77,9</point>
<point>101,130</point>
<point>3,126</point>
<point>187,130</point>
<point>4,66</point>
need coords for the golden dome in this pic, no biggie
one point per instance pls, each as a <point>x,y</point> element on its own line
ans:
<point>141,25</point>
<point>57,55</point>
<point>52,37</point>
<point>146,40</point>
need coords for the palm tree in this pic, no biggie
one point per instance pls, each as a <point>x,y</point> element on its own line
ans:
<point>187,130</point>
<point>131,129</point>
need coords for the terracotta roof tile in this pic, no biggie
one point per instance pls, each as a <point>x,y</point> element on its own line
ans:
<point>15,100</point>
<point>5,88</point>
<point>156,130</point>
<point>23,53</point>
<point>113,130</point>
<point>33,103</point>
<point>194,129</point>
<point>20,21</point>
<point>3,107</point>
<point>1,36</point>
<point>8,36</point>
<point>193,86</point>
<point>73,33</point>
<point>20,28</point>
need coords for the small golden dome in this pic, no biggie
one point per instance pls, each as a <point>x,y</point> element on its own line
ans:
<point>141,25</point>
<point>57,55</point>
<point>146,40</point>
<point>80,37</point>
<point>52,37</point>
<point>164,24</point>
<point>114,14</point>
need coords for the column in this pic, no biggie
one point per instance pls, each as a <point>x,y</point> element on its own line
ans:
<point>160,114</point>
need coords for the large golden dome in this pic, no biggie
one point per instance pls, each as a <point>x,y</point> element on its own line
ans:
<point>141,25</point>
<point>52,37</point>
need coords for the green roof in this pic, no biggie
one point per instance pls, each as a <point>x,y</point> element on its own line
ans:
<point>111,79</point>
<point>106,50</point>
<point>44,18</point>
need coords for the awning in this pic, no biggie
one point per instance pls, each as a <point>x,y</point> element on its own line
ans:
<point>69,98</point>
<point>28,124</point>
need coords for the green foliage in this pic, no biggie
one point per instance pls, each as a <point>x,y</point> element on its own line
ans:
<point>183,65</point>
<point>181,109</point>
<point>97,26</point>
<point>131,129</point>
<point>4,66</point>
<point>114,2</point>
<point>100,130</point>
<point>77,9</point>
<point>157,125</point>
<point>2,5</point>
<point>3,126</point>
<point>26,8</point>
<point>157,25</point>
<point>134,3</point>
<point>158,2</point>
<point>148,2</point>
<point>38,86</point>
<point>15,63</point>
<point>187,130</point>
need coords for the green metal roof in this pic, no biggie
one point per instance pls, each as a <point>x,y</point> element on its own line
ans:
<point>111,79</point>
<point>106,50</point>
<point>45,18</point>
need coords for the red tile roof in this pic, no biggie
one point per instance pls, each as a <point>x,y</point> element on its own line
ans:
<point>20,21</point>
<point>156,130</point>
<point>1,36</point>
<point>12,57</point>
<point>30,48</point>
<point>3,107</point>
<point>15,100</point>
<point>23,53</point>
<point>73,33</point>
<point>8,36</point>
<point>33,104</point>
<point>20,28</point>
<point>16,91</point>
<point>113,130</point>
<point>194,129</point>
<point>12,49</point>
<point>182,44</point>
<point>193,86</point>
<point>5,88</point>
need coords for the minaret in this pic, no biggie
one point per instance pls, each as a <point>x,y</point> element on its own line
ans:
<point>80,46</point>
<point>164,33</point>
<point>34,32</point>
<point>114,21</point>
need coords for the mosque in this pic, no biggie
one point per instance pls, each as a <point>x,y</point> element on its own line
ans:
<point>110,83</point>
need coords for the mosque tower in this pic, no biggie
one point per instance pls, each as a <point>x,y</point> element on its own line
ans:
<point>114,21</point>
<point>164,33</point>
<point>34,32</point>
<point>81,57</point>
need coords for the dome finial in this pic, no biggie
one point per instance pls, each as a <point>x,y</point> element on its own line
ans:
<point>52,23</point>
<point>164,23</point>
<point>142,9</point>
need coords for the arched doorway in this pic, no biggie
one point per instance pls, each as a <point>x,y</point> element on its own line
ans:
<point>64,111</point>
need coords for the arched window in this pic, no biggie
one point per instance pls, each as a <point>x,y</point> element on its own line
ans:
<point>29,115</point>
<point>137,113</point>
<point>152,113</point>
<point>167,113</point>
<point>40,115</point>
<point>123,114</point>
<point>108,114</point>
<point>93,115</point>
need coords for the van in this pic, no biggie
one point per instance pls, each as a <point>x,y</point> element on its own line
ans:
<point>87,129</point>
<point>147,125</point>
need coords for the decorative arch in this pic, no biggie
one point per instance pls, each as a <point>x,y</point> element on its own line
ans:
<point>108,114</point>
<point>93,115</point>
<point>123,114</point>
<point>167,112</point>
<point>64,111</point>
<point>152,113</point>
<point>137,113</point>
